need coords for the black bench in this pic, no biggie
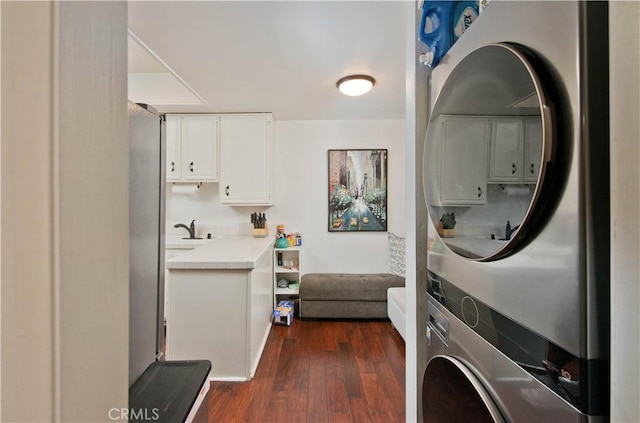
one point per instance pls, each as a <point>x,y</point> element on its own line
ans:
<point>167,391</point>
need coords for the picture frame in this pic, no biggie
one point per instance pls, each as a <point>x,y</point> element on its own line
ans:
<point>357,190</point>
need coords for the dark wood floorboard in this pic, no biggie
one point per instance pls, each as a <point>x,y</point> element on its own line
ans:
<point>320,371</point>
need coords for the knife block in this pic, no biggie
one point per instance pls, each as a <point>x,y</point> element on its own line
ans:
<point>445,233</point>
<point>261,232</point>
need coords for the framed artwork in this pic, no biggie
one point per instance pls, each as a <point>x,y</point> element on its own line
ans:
<point>357,190</point>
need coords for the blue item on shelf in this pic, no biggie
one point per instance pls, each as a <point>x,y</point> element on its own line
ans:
<point>282,243</point>
<point>442,23</point>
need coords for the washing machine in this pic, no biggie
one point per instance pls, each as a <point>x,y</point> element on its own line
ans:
<point>516,184</point>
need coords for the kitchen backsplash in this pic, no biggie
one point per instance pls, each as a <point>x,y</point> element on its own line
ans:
<point>473,220</point>
<point>211,218</point>
<point>213,228</point>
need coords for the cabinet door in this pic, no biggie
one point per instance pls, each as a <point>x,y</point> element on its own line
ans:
<point>200,148</point>
<point>505,162</point>
<point>174,159</point>
<point>464,161</point>
<point>532,149</point>
<point>245,168</point>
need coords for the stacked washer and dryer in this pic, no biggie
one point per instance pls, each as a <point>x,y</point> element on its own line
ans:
<point>516,159</point>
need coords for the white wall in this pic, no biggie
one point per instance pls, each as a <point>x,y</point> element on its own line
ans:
<point>625,210</point>
<point>301,191</point>
<point>301,194</point>
<point>203,206</point>
<point>64,281</point>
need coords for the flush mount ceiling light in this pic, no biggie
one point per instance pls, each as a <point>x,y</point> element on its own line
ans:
<point>354,85</point>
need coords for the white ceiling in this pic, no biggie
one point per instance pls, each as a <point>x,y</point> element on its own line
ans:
<point>269,56</point>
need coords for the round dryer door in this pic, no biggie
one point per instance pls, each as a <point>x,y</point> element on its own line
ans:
<point>452,394</point>
<point>489,153</point>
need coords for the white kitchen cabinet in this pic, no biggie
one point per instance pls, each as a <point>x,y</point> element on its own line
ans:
<point>532,149</point>
<point>222,311</point>
<point>506,150</point>
<point>245,166</point>
<point>170,253</point>
<point>192,148</point>
<point>174,155</point>
<point>464,161</point>
<point>515,150</point>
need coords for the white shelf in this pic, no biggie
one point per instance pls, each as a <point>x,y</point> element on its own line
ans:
<point>280,269</point>
<point>280,272</point>
<point>287,291</point>
<point>288,249</point>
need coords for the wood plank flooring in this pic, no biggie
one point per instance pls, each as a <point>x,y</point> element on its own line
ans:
<point>320,371</point>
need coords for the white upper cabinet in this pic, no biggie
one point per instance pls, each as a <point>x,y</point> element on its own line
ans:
<point>192,148</point>
<point>245,168</point>
<point>532,149</point>
<point>174,156</point>
<point>506,150</point>
<point>516,149</point>
<point>464,161</point>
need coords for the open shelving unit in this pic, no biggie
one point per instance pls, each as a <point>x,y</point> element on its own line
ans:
<point>286,267</point>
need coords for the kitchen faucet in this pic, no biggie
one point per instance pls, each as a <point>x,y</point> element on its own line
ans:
<point>509,230</point>
<point>191,229</point>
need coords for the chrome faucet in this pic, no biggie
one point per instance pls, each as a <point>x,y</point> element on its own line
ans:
<point>191,229</point>
<point>509,230</point>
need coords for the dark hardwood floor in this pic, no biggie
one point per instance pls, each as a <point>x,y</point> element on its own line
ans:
<point>320,371</point>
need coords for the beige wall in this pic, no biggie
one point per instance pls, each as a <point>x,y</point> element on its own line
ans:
<point>64,217</point>
<point>625,210</point>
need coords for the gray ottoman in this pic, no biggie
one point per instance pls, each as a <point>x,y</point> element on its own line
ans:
<point>346,295</point>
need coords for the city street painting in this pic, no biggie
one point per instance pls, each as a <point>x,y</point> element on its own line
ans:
<point>357,190</point>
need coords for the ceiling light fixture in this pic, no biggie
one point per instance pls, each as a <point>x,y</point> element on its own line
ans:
<point>354,85</point>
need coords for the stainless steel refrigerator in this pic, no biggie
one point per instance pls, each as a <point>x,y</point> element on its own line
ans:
<point>146,237</point>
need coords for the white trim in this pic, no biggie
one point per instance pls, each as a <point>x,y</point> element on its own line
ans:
<point>142,45</point>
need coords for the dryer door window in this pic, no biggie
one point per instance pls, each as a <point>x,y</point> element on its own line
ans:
<point>489,153</point>
<point>451,393</point>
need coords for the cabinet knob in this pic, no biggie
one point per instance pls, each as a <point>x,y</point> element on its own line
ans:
<point>226,191</point>
<point>513,168</point>
<point>191,167</point>
<point>173,166</point>
<point>532,169</point>
<point>479,192</point>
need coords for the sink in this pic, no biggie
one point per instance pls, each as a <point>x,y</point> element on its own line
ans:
<point>186,243</point>
<point>498,240</point>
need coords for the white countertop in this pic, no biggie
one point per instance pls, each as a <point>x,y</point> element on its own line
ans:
<point>475,245</point>
<point>222,252</point>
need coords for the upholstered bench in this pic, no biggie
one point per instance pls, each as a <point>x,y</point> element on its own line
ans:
<point>346,295</point>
